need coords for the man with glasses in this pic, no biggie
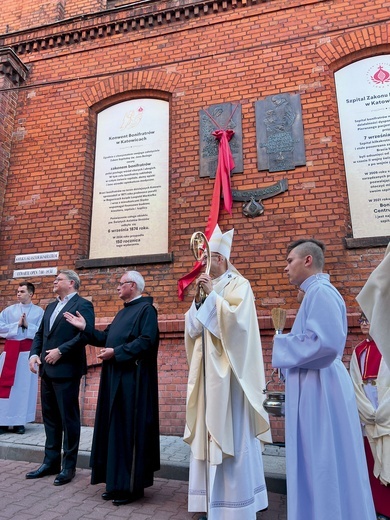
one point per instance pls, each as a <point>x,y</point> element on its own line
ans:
<point>58,351</point>
<point>371,380</point>
<point>225,419</point>
<point>125,448</point>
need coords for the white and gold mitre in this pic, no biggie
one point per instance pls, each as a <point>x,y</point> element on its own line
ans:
<point>221,242</point>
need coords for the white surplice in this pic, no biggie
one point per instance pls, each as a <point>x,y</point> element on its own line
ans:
<point>20,407</point>
<point>374,300</point>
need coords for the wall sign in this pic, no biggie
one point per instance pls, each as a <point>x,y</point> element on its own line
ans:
<point>131,184</point>
<point>44,271</point>
<point>37,257</point>
<point>363,96</point>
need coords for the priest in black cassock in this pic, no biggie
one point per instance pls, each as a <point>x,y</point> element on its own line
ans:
<point>126,441</point>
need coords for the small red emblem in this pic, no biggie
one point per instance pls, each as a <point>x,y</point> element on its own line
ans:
<point>381,76</point>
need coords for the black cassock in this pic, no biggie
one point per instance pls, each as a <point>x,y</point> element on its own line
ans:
<point>126,442</point>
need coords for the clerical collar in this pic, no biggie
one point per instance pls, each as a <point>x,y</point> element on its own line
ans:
<point>136,298</point>
<point>312,278</point>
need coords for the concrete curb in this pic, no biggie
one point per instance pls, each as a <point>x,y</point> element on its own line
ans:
<point>174,455</point>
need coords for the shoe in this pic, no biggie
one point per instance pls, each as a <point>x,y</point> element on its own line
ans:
<point>3,429</point>
<point>203,517</point>
<point>19,429</point>
<point>64,477</point>
<point>108,495</point>
<point>42,471</point>
<point>123,498</point>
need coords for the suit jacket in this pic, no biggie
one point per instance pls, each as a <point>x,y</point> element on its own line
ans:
<point>63,335</point>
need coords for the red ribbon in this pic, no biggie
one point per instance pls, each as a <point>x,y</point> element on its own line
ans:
<point>12,348</point>
<point>224,167</point>
<point>222,184</point>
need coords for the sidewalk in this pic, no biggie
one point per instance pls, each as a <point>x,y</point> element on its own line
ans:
<point>174,455</point>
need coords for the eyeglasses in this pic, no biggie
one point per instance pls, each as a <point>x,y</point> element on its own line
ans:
<point>363,321</point>
<point>123,283</point>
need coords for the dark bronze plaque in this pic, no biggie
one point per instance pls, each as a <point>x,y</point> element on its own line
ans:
<point>215,117</point>
<point>279,133</point>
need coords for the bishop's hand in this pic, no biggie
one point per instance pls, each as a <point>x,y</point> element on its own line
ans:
<point>203,283</point>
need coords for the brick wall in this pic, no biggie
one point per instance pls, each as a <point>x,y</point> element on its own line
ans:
<point>173,375</point>
<point>19,16</point>
<point>7,112</point>
<point>194,55</point>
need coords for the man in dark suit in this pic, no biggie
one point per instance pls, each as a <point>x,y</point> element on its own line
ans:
<point>58,350</point>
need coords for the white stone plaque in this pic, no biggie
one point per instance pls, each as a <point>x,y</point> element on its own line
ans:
<point>130,198</point>
<point>37,257</point>
<point>363,96</point>
<point>44,271</point>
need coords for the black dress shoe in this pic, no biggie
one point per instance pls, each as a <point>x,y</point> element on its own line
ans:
<point>64,477</point>
<point>3,429</point>
<point>43,471</point>
<point>123,498</point>
<point>19,429</point>
<point>109,495</point>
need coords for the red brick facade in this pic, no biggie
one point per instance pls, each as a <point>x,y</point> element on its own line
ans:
<point>82,55</point>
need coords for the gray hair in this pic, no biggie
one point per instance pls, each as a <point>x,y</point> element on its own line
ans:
<point>137,278</point>
<point>72,276</point>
